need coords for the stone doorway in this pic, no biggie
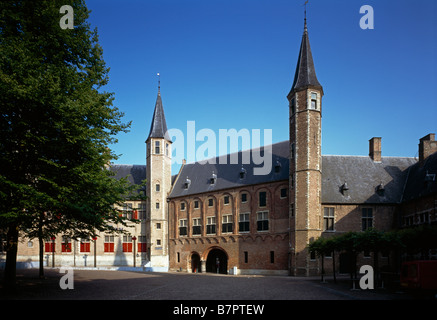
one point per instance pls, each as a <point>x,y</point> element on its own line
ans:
<point>196,266</point>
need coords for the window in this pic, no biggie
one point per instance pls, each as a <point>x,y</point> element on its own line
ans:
<point>262,221</point>
<point>166,149</point>
<point>157,205</point>
<point>157,187</point>
<point>293,106</point>
<point>127,243</point>
<point>262,199</point>
<point>314,100</point>
<point>246,257</point>
<point>196,204</point>
<point>127,210</point>
<point>158,242</point>
<point>142,211</point>
<point>366,218</point>
<point>272,256</point>
<point>293,151</point>
<point>157,147</point>
<point>179,257</point>
<point>183,227</point>
<point>158,225</point>
<point>210,225</point>
<point>227,224</point>
<point>109,243</point>
<point>66,244</point>
<point>226,200</point>
<point>283,193</point>
<point>142,244</point>
<point>210,202</point>
<point>291,209</point>
<point>244,197</point>
<point>85,245</point>
<point>244,222</point>
<point>196,226</point>
<point>328,219</point>
<point>49,246</point>
<point>182,206</point>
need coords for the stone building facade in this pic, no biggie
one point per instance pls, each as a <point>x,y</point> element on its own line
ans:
<point>219,216</point>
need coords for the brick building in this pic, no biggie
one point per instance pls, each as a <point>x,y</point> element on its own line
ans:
<point>218,216</point>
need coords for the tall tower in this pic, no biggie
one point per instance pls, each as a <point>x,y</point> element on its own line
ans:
<point>305,102</point>
<point>158,175</point>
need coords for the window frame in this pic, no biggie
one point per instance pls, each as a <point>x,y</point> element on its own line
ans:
<point>263,223</point>
<point>244,225</point>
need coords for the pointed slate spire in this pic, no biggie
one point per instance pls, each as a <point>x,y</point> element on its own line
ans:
<point>305,75</point>
<point>158,129</point>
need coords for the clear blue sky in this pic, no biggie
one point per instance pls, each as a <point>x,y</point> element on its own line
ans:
<point>230,64</point>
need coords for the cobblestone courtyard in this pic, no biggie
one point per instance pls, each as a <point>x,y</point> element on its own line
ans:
<point>125,285</point>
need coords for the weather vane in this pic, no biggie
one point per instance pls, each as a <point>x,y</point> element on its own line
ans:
<point>159,82</point>
<point>305,4</point>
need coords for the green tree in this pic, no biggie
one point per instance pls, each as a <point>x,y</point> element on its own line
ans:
<point>56,126</point>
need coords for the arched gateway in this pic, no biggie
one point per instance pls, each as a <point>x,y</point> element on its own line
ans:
<point>217,260</point>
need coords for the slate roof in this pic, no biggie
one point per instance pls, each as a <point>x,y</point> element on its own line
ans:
<point>362,175</point>
<point>158,128</point>
<point>422,179</point>
<point>367,181</point>
<point>391,181</point>
<point>134,173</point>
<point>228,175</point>
<point>305,72</point>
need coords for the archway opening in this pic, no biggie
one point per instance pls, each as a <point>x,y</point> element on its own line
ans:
<point>217,261</point>
<point>195,263</point>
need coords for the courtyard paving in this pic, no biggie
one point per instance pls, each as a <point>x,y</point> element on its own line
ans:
<point>126,285</point>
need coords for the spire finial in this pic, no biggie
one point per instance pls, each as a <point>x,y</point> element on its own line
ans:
<point>159,83</point>
<point>305,24</point>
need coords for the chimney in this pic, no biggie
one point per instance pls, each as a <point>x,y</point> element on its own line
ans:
<point>427,146</point>
<point>375,149</point>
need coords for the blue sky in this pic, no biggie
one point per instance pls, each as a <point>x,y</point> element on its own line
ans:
<point>230,64</point>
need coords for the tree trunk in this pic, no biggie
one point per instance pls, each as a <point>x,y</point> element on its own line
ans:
<point>11,256</point>
<point>41,257</point>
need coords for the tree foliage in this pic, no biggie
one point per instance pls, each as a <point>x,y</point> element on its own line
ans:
<point>56,125</point>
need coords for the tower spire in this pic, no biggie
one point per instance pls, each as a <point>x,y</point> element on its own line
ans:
<point>305,75</point>
<point>158,128</point>
<point>305,14</point>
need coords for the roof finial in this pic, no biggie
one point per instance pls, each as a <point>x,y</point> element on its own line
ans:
<point>159,83</point>
<point>305,24</point>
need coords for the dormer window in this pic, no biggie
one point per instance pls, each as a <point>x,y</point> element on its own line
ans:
<point>213,178</point>
<point>277,166</point>
<point>429,177</point>
<point>187,183</point>
<point>344,188</point>
<point>242,173</point>
<point>380,189</point>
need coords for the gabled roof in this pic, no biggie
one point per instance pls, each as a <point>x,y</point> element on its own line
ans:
<point>305,75</point>
<point>422,179</point>
<point>158,129</point>
<point>367,181</point>
<point>228,174</point>
<point>134,173</point>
